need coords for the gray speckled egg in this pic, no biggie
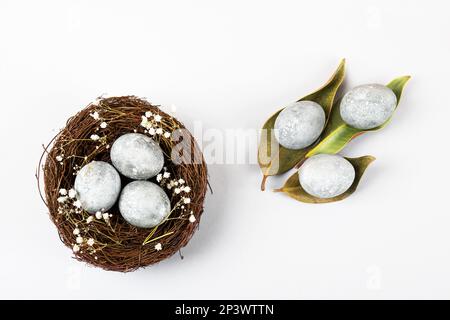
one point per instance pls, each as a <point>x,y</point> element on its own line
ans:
<point>326,176</point>
<point>299,124</point>
<point>368,106</point>
<point>144,204</point>
<point>137,156</point>
<point>98,186</point>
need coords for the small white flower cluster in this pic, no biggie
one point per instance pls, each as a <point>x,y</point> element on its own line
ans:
<point>95,115</point>
<point>192,218</point>
<point>178,187</point>
<point>161,177</point>
<point>76,168</point>
<point>65,195</point>
<point>86,241</point>
<point>68,202</point>
<point>99,215</point>
<point>101,139</point>
<point>81,241</point>
<point>158,246</point>
<point>151,123</point>
<point>60,158</point>
<point>103,124</point>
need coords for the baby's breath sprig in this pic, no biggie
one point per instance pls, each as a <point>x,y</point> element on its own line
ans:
<point>153,125</point>
<point>84,231</point>
<point>179,189</point>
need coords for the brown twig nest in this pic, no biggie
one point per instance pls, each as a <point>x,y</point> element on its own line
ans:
<point>109,241</point>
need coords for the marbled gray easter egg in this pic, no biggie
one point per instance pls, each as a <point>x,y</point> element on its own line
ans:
<point>368,106</point>
<point>137,156</point>
<point>98,186</point>
<point>326,176</point>
<point>144,204</point>
<point>299,124</point>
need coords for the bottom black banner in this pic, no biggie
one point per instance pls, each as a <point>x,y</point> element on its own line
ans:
<point>217,309</point>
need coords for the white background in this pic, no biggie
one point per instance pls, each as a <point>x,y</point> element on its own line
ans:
<point>231,64</point>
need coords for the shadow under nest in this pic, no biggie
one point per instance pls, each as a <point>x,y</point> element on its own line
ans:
<point>118,246</point>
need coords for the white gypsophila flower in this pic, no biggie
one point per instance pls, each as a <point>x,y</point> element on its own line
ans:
<point>95,114</point>
<point>181,181</point>
<point>169,186</point>
<point>63,192</point>
<point>59,158</point>
<point>95,137</point>
<point>187,189</point>
<point>187,200</point>
<point>144,121</point>
<point>158,246</point>
<point>177,190</point>
<point>76,231</point>
<point>166,134</point>
<point>159,131</point>
<point>103,125</point>
<point>77,204</point>
<point>152,131</point>
<point>105,216</point>
<point>76,248</point>
<point>89,219</point>
<point>166,174</point>
<point>72,193</point>
<point>148,114</point>
<point>90,242</point>
<point>192,218</point>
<point>98,215</point>
<point>158,118</point>
<point>79,240</point>
<point>62,199</point>
<point>159,177</point>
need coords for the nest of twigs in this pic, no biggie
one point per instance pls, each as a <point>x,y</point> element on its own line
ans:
<point>115,244</point>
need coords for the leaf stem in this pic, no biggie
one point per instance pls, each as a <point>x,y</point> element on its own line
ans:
<point>263,183</point>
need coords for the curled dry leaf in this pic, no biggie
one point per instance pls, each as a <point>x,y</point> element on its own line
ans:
<point>293,188</point>
<point>273,158</point>
<point>337,133</point>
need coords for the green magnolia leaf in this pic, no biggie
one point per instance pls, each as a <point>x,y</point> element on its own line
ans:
<point>273,158</point>
<point>294,190</point>
<point>337,133</point>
